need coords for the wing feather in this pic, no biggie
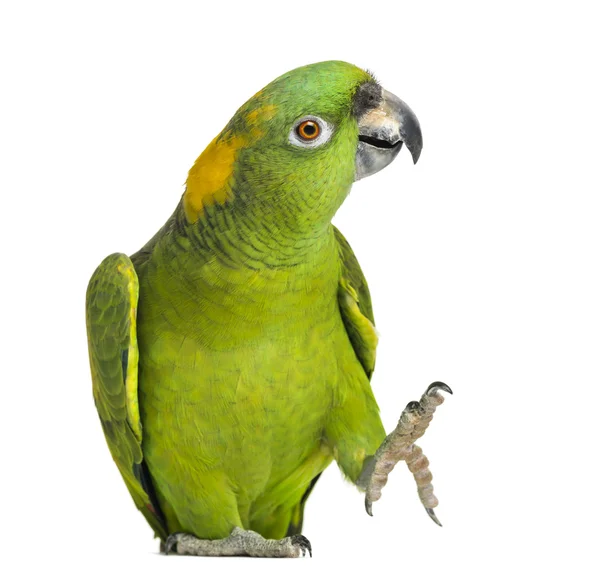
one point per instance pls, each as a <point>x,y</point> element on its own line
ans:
<point>111,305</point>
<point>355,306</point>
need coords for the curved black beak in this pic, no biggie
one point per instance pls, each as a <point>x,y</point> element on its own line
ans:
<point>382,131</point>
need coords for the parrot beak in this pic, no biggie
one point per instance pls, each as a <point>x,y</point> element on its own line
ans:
<point>381,132</point>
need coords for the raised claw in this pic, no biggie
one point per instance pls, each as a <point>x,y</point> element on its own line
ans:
<point>433,388</point>
<point>412,406</point>
<point>400,445</point>
<point>433,516</point>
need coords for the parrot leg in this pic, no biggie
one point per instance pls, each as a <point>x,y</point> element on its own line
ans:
<point>400,445</point>
<point>239,543</point>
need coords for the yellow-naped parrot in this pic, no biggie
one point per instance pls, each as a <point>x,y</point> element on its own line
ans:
<point>231,356</point>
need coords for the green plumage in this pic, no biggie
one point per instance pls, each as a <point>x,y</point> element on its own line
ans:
<point>254,329</point>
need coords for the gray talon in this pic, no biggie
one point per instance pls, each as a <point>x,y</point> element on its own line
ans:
<point>369,507</point>
<point>412,406</point>
<point>433,516</point>
<point>171,543</point>
<point>304,544</point>
<point>433,388</point>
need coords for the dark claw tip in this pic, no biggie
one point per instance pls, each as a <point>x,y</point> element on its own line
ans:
<point>413,406</point>
<point>304,544</point>
<point>433,516</point>
<point>433,388</point>
<point>369,507</point>
<point>171,543</point>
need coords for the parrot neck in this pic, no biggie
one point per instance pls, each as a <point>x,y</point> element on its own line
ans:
<point>240,277</point>
<point>246,240</point>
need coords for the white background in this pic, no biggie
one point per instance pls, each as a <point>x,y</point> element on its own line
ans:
<point>482,261</point>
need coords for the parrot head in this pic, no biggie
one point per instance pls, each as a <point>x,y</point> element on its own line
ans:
<point>291,153</point>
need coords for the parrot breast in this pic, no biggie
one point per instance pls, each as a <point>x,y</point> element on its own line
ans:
<point>239,370</point>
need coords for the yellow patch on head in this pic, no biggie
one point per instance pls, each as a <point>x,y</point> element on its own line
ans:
<point>260,115</point>
<point>207,181</point>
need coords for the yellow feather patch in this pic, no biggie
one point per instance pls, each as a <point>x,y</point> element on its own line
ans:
<point>260,115</point>
<point>208,179</point>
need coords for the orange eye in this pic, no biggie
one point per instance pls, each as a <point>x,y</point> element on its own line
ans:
<point>308,130</point>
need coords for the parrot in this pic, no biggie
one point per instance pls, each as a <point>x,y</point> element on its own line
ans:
<point>231,356</point>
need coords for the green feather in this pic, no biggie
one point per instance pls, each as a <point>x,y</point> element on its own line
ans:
<point>113,287</point>
<point>254,326</point>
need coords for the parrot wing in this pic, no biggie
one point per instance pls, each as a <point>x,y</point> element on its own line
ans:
<point>111,305</point>
<point>355,306</point>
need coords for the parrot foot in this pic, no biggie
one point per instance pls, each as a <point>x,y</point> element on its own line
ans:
<point>238,543</point>
<point>400,445</point>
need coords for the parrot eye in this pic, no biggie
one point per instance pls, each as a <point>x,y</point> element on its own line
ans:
<point>310,132</point>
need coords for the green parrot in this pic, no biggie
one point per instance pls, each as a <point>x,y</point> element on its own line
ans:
<point>231,356</point>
